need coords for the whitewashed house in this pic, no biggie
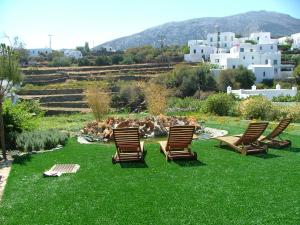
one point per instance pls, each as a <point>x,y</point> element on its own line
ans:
<point>199,53</point>
<point>224,40</point>
<point>37,52</point>
<point>216,42</point>
<point>268,93</point>
<point>73,54</point>
<point>263,59</point>
<point>296,41</point>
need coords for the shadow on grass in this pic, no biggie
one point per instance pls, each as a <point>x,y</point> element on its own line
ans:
<point>290,149</point>
<point>22,159</point>
<point>133,165</point>
<point>141,164</point>
<point>266,156</point>
<point>188,163</point>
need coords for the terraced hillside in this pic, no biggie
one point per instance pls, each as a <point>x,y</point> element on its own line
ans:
<point>47,75</point>
<point>50,86</point>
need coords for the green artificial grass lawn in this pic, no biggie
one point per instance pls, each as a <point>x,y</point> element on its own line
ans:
<point>222,187</point>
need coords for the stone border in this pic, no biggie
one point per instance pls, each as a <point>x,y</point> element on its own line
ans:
<point>5,167</point>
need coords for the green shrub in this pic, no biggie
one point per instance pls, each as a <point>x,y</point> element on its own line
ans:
<point>258,107</point>
<point>220,104</point>
<point>185,103</point>
<point>40,140</point>
<point>102,61</point>
<point>18,118</point>
<point>60,61</point>
<point>129,95</point>
<point>287,98</point>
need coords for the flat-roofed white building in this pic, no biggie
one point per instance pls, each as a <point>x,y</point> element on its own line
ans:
<point>199,53</point>
<point>37,52</point>
<point>224,40</point>
<point>261,59</point>
<point>73,53</point>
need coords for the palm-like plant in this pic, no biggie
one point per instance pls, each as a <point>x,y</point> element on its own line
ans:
<point>10,75</point>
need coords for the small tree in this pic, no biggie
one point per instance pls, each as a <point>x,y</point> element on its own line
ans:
<point>10,75</point>
<point>244,77</point>
<point>98,100</point>
<point>156,98</point>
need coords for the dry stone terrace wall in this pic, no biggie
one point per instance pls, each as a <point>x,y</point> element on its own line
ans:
<point>59,101</point>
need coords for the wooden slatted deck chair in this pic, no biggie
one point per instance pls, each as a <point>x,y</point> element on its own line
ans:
<point>248,142</point>
<point>178,144</point>
<point>271,139</point>
<point>128,144</point>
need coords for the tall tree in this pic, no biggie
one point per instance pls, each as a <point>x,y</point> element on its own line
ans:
<point>10,75</point>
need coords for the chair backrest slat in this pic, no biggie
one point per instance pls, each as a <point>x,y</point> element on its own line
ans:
<point>127,139</point>
<point>280,128</point>
<point>253,132</point>
<point>180,137</point>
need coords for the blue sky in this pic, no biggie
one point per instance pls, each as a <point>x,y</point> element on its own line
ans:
<point>72,22</point>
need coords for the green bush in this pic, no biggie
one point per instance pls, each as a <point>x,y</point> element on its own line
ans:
<point>60,61</point>
<point>258,107</point>
<point>84,62</point>
<point>220,104</point>
<point>19,117</point>
<point>288,98</point>
<point>102,61</point>
<point>129,95</point>
<point>40,140</point>
<point>185,103</point>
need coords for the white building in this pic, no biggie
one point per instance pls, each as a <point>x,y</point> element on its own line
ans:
<point>263,59</point>
<point>268,93</point>
<point>215,42</point>
<point>224,40</point>
<point>37,52</point>
<point>296,41</point>
<point>199,53</point>
<point>73,53</point>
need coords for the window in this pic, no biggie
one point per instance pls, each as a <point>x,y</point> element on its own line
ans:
<point>201,50</point>
<point>257,38</point>
<point>252,57</point>
<point>276,70</point>
<point>242,49</point>
<point>251,50</point>
<point>217,60</point>
<point>264,74</point>
<point>211,39</point>
<point>275,62</point>
<point>266,61</point>
<point>244,57</point>
<point>195,51</point>
<point>260,47</point>
<point>225,45</point>
<point>218,38</point>
<point>271,46</point>
<point>233,66</point>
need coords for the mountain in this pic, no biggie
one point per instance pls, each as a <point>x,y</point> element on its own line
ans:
<point>178,33</point>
